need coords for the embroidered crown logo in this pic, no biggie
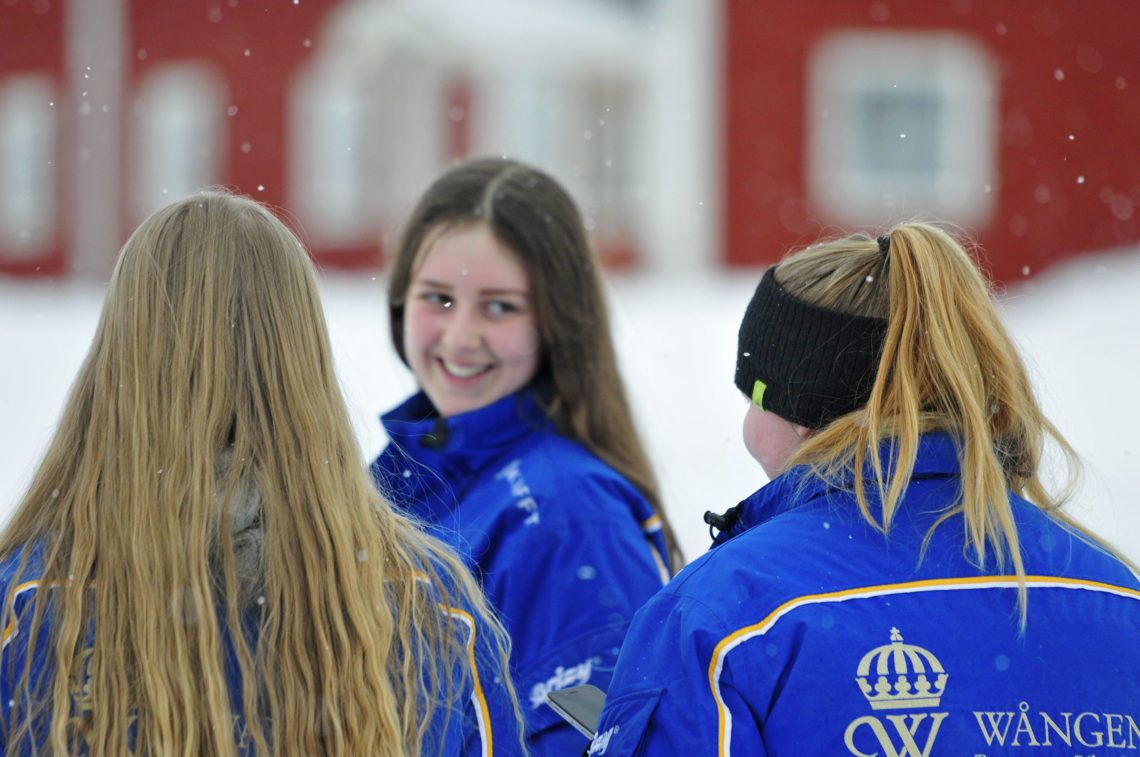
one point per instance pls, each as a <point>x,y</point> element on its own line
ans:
<point>900,676</point>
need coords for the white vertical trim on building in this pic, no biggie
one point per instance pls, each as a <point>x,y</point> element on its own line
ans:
<point>682,210</point>
<point>96,38</point>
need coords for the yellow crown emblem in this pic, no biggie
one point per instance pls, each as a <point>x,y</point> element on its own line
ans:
<point>902,674</point>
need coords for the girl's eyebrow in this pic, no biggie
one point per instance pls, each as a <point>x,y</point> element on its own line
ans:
<point>487,292</point>
<point>430,283</point>
<point>499,292</point>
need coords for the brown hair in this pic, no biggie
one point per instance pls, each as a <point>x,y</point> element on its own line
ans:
<point>211,347</point>
<point>530,213</point>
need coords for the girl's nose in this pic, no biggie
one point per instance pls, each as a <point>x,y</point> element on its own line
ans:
<point>463,330</point>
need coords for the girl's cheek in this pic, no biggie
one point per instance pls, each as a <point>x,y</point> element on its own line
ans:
<point>417,326</point>
<point>532,343</point>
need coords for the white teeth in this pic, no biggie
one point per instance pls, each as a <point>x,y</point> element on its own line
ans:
<point>462,371</point>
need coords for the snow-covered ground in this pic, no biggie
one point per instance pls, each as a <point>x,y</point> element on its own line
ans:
<point>1078,325</point>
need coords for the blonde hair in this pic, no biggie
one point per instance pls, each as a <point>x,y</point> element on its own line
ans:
<point>212,339</point>
<point>947,364</point>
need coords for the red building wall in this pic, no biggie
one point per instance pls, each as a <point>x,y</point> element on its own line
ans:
<point>257,48</point>
<point>1069,110</point>
<point>198,92</point>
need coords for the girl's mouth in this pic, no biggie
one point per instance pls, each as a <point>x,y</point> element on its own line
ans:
<point>463,371</point>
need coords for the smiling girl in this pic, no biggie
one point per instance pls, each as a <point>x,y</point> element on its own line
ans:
<point>520,448</point>
<point>471,336</point>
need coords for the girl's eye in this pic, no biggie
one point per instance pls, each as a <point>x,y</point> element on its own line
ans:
<point>498,307</point>
<point>436,299</point>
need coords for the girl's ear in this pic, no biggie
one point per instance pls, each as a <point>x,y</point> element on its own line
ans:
<point>803,432</point>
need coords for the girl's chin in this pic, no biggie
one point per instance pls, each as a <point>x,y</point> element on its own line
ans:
<point>450,399</point>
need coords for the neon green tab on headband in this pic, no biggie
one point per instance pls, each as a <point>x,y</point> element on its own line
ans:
<point>758,393</point>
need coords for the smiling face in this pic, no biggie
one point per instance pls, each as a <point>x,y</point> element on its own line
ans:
<point>470,335</point>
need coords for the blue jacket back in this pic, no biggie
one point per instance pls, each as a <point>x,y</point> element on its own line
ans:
<point>807,631</point>
<point>479,722</point>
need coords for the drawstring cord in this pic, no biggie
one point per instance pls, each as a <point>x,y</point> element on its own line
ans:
<point>723,523</point>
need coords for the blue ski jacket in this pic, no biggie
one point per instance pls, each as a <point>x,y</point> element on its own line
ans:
<point>478,723</point>
<point>566,548</point>
<point>806,631</point>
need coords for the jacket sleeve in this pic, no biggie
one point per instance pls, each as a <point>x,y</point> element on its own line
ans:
<point>482,719</point>
<point>669,696</point>
<point>567,584</point>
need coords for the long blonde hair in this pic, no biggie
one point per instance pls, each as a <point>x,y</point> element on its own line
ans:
<point>947,364</point>
<point>212,340</point>
<point>533,215</point>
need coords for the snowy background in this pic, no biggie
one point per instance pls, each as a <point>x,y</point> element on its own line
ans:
<point>1078,326</point>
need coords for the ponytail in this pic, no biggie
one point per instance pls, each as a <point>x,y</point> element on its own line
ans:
<point>947,364</point>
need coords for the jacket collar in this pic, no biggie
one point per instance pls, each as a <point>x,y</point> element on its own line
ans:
<point>478,434</point>
<point>937,455</point>
<point>430,460</point>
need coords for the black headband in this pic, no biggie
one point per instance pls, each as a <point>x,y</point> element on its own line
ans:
<point>806,364</point>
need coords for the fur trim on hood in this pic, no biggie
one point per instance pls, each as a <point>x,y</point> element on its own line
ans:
<point>247,532</point>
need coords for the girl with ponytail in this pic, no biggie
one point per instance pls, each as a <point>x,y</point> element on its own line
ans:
<point>907,582</point>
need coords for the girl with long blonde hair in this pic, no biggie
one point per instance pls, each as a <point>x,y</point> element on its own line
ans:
<point>907,582</point>
<point>201,564</point>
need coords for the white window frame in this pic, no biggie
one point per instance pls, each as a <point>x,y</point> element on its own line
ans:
<point>847,67</point>
<point>179,135</point>
<point>28,164</point>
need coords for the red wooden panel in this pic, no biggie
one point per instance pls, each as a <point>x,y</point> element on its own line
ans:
<point>257,48</point>
<point>1070,105</point>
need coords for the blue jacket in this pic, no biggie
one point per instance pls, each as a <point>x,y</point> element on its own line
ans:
<point>479,723</point>
<point>566,548</point>
<point>805,631</point>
